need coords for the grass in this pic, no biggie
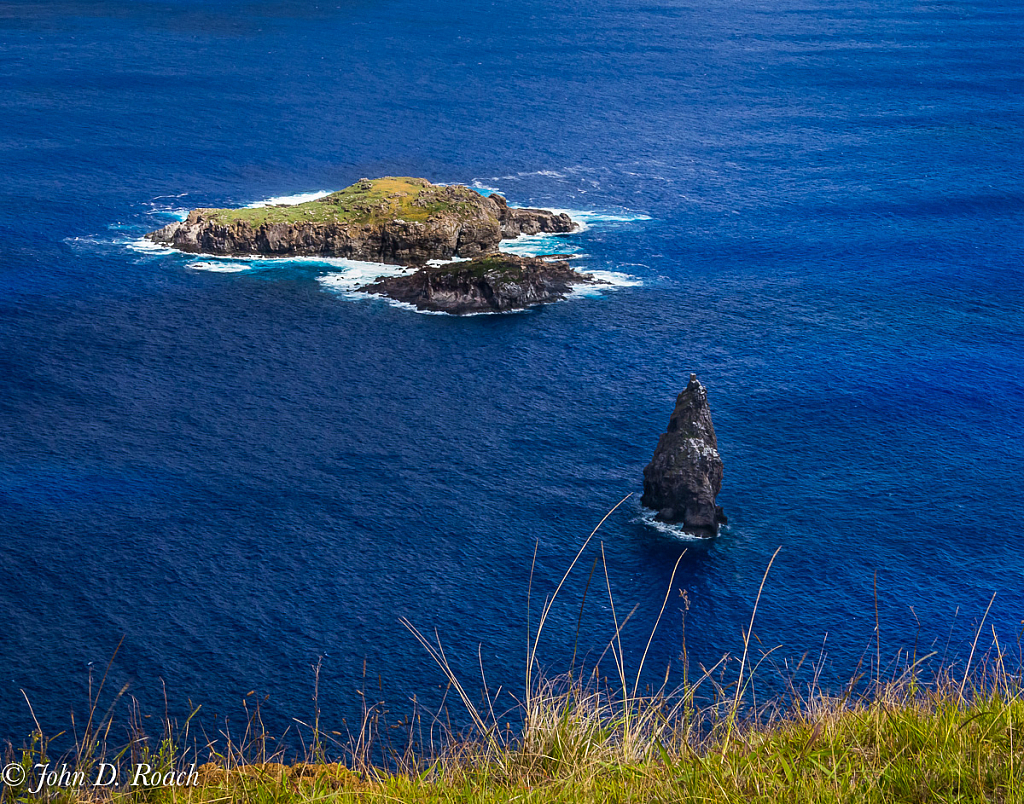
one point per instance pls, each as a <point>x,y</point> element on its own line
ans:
<point>903,745</point>
<point>366,202</point>
<point>956,738</point>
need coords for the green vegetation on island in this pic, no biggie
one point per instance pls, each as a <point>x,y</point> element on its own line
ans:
<point>367,202</point>
<point>396,220</point>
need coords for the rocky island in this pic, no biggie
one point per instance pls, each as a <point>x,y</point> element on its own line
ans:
<point>685,475</point>
<point>400,221</point>
<point>493,283</point>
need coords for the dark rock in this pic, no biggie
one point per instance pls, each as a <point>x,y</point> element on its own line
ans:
<point>490,284</point>
<point>524,221</point>
<point>685,475</point>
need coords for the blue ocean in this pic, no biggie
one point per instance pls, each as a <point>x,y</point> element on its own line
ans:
<point>217,474</point>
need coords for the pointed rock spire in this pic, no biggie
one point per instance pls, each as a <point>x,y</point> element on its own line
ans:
<point>685,475</point>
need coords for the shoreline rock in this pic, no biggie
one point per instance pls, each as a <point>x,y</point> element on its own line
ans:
<point>492,283</point>
<point>394,220</point>
<point>685,474</point>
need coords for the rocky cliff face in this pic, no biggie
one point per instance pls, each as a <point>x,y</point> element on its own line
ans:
<point>401,221</point>
<point>491,284</point>
<point>517,221</point>
<point>685,475</point>
<point>396,242</point>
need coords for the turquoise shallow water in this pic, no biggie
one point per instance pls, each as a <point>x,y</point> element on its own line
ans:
<point>239,471</point>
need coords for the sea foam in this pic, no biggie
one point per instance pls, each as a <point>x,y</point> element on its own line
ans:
<point>484,189</point>
<point>589,217</point>
<point>290,200</point>
<point>615,280</point>
<point>540,244</point>
<point>175,213</point>
<point>646,516</point>
<point>220,266</point>
<point>144,246</point>
<point>355,274</point>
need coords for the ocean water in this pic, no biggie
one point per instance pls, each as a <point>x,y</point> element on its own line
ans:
<point>234,469</point>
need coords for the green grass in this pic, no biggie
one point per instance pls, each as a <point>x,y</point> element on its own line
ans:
<point>957,738</point>
<point>364,203</point>
<point>903,744</point>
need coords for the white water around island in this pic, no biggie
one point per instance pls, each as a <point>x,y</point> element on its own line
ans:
<point>290,200</point>
<point>344,277</point>
<point>677,532</point>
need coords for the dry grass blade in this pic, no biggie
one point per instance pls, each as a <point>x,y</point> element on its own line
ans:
<point>531,657</point>
<point>746,648</point>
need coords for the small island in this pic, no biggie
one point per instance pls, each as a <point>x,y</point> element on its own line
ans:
<point>494,283</point>
<point>399,221</point>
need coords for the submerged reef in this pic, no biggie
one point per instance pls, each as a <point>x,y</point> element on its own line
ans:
<point>395,220</point>
<point>493,283</point>
<point>685,475</point>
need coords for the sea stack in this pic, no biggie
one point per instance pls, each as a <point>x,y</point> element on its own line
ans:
<point>685,474</point>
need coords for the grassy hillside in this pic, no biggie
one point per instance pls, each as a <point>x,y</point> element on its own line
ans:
<point>903,744</point>
<point>957,738</point>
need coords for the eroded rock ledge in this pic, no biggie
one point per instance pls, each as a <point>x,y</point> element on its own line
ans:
<point>493,283</point>
<point>685,475</point>
<point>400,221</point>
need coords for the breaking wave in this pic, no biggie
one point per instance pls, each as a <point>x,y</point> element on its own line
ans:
<point>179,213</point>
<point>220,267</point>
<point>540,244</point>
<point>646,517</point>
<point>354,274</point>
<point>589,217</point>
<point>290,200</point>
<point>614,279</point>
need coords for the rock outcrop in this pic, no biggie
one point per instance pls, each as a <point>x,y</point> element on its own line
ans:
<point>491,284</point>
<point>400,221</point>
<point>685,475</point>
<point>516,221</point>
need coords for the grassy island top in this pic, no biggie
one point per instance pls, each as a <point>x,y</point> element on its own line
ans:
<point>367,202</point>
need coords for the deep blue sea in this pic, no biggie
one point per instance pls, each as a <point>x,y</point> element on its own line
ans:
<point>236,469</point>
